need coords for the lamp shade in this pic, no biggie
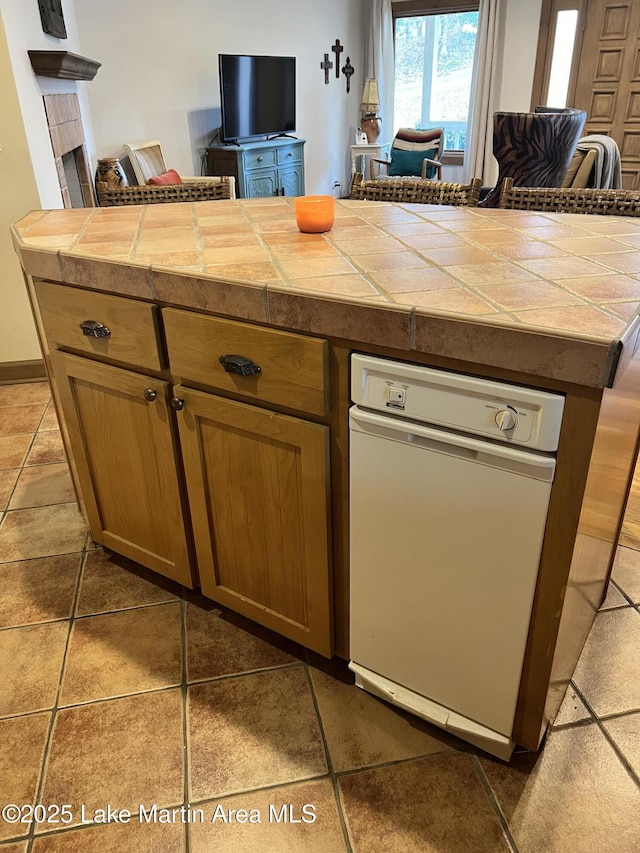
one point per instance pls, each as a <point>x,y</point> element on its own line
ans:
<point>370,96</point>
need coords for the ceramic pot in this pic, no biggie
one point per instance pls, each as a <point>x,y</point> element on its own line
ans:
<point>111,173</point>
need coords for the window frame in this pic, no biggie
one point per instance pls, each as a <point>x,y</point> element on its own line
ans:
<point>417,8</point>
<point>544,51</point>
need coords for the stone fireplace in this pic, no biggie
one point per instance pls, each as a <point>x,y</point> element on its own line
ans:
<point>64,119</point>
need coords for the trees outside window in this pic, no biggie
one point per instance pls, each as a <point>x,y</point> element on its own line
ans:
<point>433,67</point>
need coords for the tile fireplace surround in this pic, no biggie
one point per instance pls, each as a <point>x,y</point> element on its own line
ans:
<point>67,136</point>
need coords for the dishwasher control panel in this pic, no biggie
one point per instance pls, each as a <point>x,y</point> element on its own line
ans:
<point>485,407</point>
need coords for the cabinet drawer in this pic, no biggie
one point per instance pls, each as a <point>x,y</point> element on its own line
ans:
<point>289,155</point>
<point>260,159</point>
<point>132,325</point>
<point>293,367</point>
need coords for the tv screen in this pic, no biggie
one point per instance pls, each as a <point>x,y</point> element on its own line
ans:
<point>257,95</point>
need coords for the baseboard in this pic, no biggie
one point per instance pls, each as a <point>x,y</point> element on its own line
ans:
<point>22,371</point>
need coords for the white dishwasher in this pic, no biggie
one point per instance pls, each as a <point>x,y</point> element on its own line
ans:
<point>450,478</point>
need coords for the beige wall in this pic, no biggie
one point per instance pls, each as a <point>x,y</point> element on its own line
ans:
<point>18,194</point>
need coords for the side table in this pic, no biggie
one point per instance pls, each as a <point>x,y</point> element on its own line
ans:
<point>371,149</point>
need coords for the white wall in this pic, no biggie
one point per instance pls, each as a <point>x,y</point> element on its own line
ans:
<point>160,73</point>
<point>24,32</point>
<point>522,22</point>
<point>28,175</point>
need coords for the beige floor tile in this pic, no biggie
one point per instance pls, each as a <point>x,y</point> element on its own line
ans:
<point>30,665</point>
<point>626,572</point>
<point>108,585</point>
<point>120,653</point>
<point>25,394</point>
<point>217,647</point>
<point>626,733</point>
<point>13,450</point>
<point>134,837</point>
<point>253,731</point>
<point>41,485</point>
<point>50,419</point>
<point>41,532</point>
<point>47,448</point>
<point>427,806</point>
<point>8,479</point>
<point>38,590</point>
<point>608,672</point>
<point>362,731</point>
<point>16,847</point>
<point>572,709</point>
<point>613,599</point>
<point>123,751</point>
<point>20,419</point>
<point>576,797</point>
<point>22,741</point>
<point>323,835</point>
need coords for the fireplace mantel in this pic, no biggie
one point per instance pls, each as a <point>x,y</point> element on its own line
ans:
<point>62,64</point>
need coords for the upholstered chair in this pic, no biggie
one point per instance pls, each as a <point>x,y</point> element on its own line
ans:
<point>534,149</point>
<point>414,153</point>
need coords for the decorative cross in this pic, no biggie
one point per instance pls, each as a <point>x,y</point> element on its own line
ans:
<point>337,49</point>
<point>348,70</point>
<point>327,67</point>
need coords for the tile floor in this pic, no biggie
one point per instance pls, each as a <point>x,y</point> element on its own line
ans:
<point>119,692</point>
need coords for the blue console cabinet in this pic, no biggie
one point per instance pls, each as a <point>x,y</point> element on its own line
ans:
<point>267,168</point>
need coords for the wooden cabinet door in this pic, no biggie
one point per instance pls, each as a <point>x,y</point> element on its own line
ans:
<point>291,180</point>
<point>259,497</point>
<point>123,447</point>
<point>262,183</point>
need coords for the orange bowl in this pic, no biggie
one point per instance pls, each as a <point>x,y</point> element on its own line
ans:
<point>314,213</point>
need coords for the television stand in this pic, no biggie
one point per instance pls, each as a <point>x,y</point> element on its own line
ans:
<point>271,167</point>
<point>279,136</point>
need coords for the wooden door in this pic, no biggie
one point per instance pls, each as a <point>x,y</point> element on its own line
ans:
<point>123,447</point>
<point>259,497</point>
<point>608,84</point>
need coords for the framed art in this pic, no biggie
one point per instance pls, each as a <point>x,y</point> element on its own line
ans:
<point>52,18</point>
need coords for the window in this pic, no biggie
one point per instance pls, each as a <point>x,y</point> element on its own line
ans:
<point>559,45</point>
<point>434,52</point>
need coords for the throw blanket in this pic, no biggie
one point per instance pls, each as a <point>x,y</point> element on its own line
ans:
<point>606,169</point>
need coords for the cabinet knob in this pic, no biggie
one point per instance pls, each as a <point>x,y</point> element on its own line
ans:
<point>240,365</point>
<point>150,395</point>
<point>259,159</point>
<point>93,329</point>
<point>290,154</point>
<point>177,404</point>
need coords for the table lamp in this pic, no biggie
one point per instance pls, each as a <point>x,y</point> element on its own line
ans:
<point>370,106</point>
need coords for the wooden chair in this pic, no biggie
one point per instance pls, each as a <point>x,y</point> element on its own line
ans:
<point>534,149</point>
<point>417,191</point>
<point>210,189</point>
<point>414,153</point>
<point>567,200</point>
<point>147,161</point>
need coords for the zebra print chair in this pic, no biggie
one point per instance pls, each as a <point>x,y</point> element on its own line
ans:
<point>534,149</point>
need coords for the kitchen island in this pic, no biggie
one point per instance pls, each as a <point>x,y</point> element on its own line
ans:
<point>544,301</point>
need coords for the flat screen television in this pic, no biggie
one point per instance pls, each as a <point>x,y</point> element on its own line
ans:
<point>257,96</point>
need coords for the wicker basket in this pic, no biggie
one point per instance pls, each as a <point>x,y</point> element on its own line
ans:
<point>416,191</point>
<point>166,193</point>
<point>561,200</point>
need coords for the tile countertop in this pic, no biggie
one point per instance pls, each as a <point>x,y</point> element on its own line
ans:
<point>547,294</point>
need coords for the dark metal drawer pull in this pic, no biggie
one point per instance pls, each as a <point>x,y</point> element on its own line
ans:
<point>93,329</point>
<point>240,365</point>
